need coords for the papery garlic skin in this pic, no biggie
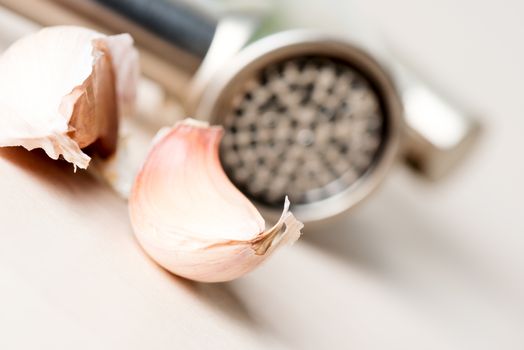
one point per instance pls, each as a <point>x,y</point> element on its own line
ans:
<point>63,88</point>
<point>191,219</point>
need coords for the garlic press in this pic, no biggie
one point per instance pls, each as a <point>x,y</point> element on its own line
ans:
<point>307,114</point>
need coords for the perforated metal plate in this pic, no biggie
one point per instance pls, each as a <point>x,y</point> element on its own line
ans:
<point>307,127</point>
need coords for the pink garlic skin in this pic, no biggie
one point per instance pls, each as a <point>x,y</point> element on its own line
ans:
<point>191,219</point>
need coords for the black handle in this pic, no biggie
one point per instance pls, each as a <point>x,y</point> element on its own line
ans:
<point>172,21</point>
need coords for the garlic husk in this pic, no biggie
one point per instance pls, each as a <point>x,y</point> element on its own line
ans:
<point>63,88</point>
<point>191,219</point>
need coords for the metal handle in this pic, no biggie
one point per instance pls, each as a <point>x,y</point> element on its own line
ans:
<point>174,22</point>
<point>438,134</point>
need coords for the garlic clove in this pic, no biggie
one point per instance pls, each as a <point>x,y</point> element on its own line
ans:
<point>191,219</point>
<point>63,89</point>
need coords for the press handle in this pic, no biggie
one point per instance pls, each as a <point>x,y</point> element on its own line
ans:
<point>438,133</point>
<point>173,21</point>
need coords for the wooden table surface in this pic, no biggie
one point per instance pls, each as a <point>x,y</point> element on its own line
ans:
<point>418,266</point>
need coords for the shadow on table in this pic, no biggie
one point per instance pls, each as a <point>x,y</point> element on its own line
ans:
<point>392,236</point>
<point>58,174</point>
<point>222,300</point>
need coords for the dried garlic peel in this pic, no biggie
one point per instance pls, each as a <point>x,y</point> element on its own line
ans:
<point>191,219</point>
<point>62,89</point>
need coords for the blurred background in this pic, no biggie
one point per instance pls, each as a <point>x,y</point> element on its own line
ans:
<point>422,264</point>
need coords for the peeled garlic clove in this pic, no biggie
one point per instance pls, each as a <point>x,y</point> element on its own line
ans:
<point>191,219</point>
<point>63,88</point>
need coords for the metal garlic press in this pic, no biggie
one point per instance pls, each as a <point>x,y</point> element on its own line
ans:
<point>307,114</point>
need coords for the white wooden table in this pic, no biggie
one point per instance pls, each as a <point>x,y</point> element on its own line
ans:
<point>419,266</point>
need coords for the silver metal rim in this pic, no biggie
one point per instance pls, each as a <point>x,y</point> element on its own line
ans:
<point>287,44</point>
